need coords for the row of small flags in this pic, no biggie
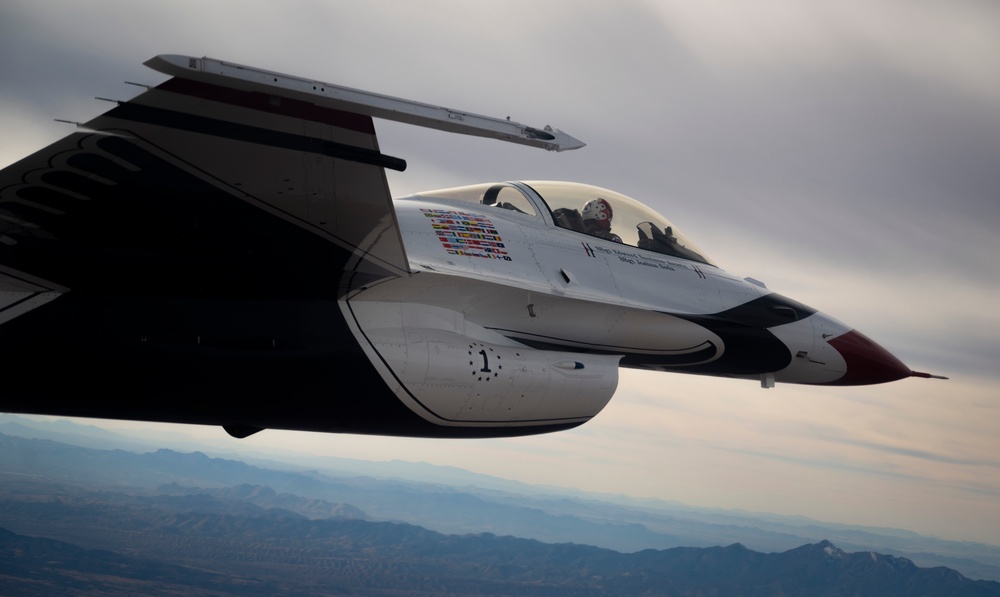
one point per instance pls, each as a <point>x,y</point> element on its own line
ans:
<point>463,233</point>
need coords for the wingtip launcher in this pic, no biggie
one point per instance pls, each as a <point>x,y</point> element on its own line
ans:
<point>228,74</point>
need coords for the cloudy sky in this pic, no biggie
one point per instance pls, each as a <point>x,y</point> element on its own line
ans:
<point>846,153</point>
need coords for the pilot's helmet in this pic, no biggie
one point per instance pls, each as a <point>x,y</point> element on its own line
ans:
<point>599,211</point>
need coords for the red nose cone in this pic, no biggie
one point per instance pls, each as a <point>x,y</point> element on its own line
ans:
<point>867,362</point>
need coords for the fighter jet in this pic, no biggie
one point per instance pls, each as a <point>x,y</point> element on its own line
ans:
<point>223,250</point>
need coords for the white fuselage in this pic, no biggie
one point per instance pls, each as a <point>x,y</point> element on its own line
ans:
<point>562,310</point>
<point>589,293</point>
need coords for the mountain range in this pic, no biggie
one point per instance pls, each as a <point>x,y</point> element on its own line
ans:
<point>165,506</point>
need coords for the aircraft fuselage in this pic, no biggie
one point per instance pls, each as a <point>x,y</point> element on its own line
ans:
<point>223,250</point>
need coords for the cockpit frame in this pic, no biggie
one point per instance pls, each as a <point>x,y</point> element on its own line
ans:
<point>561,204</point>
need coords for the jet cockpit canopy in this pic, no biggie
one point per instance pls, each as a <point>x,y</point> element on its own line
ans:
<point>630,221</point>
<point>571,205</point>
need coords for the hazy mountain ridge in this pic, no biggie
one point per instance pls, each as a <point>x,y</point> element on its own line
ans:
<point>627,525</point>
<point>702,528</point>
<point>265,497</point>
<point>221,553</point>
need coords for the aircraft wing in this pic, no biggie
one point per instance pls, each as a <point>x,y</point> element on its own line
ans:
<point>181,256</point>
<point>225,180</point>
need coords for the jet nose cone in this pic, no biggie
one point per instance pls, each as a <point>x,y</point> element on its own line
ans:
<point>867,362</point>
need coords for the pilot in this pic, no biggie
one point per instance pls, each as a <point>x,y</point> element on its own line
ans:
<point>597,214</point>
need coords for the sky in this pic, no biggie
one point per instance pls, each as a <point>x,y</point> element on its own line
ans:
<point>845,153</point>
